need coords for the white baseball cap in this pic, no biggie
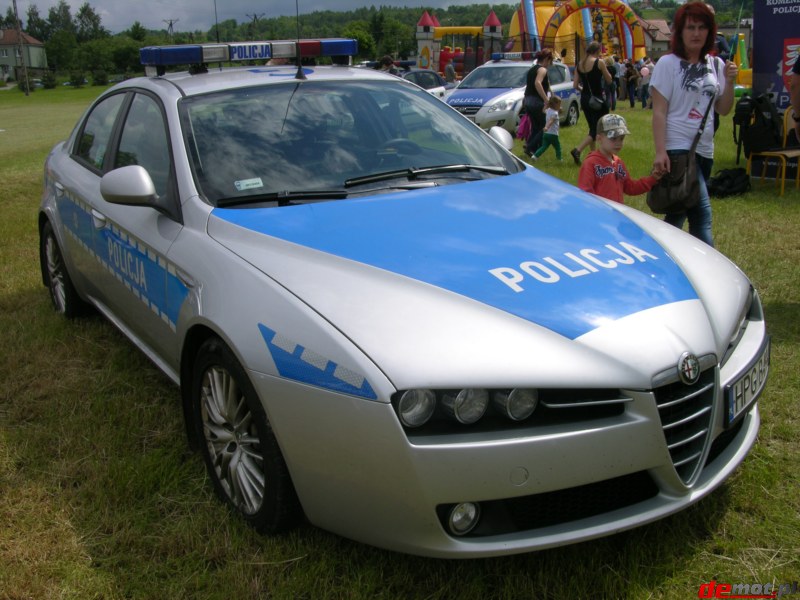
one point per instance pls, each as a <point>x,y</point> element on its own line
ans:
<point>612,126</point>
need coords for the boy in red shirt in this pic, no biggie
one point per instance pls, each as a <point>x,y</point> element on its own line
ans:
<point>603,172</point>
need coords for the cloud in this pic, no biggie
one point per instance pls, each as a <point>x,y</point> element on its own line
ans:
<point>194,15</point>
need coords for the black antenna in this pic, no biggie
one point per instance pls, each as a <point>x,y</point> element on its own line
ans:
<point>299,74</point>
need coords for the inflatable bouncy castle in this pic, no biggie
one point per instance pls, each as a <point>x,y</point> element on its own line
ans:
<point>556,23</point>
<point>567,25</point>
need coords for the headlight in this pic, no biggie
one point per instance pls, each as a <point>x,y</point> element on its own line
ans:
<point>501,105</point>
<point>466,406</point>
<point>415,407</point>
<point>517,404</point>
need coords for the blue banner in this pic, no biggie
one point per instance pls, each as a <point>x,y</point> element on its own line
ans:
<point>776,43</point>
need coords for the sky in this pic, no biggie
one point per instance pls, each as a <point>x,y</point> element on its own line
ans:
<point>192,15</point>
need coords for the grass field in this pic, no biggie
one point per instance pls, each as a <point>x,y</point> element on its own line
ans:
<point>100,497</point>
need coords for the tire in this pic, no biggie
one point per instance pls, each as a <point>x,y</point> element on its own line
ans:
<point>573,114</point>
<point>241,453</point>
<point>55,277</point>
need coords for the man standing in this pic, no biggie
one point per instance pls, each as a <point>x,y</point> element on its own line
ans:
<point>450,72</point>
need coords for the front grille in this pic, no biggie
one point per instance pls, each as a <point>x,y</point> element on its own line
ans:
<point>561,506</point>
<point>685,412</point>
<point>469,111</point>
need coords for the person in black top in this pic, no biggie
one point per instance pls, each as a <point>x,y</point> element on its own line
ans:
<point>590,73</point>
<point>537,89</point>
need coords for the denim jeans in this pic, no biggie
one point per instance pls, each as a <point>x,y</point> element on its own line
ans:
<point>699,215</point>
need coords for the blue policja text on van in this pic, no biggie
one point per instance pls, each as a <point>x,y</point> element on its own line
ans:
<point>572,264</point>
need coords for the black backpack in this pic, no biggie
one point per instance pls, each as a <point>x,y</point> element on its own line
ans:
<point>765,132</point>
<point>728,182</point>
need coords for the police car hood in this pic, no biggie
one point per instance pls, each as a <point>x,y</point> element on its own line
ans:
<point>514,264</point>
<point>474,96</point>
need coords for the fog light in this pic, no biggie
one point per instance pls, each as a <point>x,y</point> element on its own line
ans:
<point>416,407</point>
<point>466,406</point>
<point>463,518</point>
<point>518,404</point>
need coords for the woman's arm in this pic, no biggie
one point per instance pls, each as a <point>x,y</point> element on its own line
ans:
<point>724,103</point>
<point>539,87</point>
<point>606,73</point>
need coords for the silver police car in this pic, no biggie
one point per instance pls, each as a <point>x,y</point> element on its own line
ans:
<point>382,321</point>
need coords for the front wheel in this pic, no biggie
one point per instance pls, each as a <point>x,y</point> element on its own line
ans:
<point>240,451</point>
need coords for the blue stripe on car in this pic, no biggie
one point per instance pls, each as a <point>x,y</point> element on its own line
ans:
<point>147,275</point>
<point>301,364</point>
<point>527,244</point>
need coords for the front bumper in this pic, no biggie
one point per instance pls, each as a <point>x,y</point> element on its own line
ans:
<point>358,473</point>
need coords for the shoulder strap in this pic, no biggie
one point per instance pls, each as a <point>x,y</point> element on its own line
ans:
<point>708,108</point>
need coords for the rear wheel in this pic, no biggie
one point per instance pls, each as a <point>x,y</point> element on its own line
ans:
<point>240,451</point>
<point>65,299</point>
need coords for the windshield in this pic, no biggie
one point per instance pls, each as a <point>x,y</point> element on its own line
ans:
<point>496,76</point>
<point>330,139</point>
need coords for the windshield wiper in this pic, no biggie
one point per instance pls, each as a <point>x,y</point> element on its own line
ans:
<point>413,173</point>
<point>285,197</point>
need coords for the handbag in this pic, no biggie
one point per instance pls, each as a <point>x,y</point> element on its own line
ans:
<point>595,103</point>
<point>679,190</point>
<point>524,129</point>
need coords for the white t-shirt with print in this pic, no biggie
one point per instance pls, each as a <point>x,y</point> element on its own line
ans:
<point>688,89</point>
<point>551,114</point>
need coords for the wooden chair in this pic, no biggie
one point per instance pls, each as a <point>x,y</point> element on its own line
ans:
<point>782,154</point>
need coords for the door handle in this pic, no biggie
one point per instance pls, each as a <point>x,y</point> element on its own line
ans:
<point>98,219</point>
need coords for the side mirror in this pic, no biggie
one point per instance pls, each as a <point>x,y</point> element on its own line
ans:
<point>502,137</point>
<point>131,186</point>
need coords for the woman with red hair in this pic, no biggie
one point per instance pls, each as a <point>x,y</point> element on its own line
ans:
<point>682,85</point>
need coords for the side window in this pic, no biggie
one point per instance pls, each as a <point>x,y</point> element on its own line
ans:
<point>144,142</point>
<point>95,137</point>
<point>429,81</point>
<point>555,74</point>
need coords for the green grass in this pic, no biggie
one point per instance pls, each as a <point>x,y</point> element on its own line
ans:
<point>100,497</point>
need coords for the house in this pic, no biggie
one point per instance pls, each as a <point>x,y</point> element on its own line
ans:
<point>657,36</point>
<point>10,59</point>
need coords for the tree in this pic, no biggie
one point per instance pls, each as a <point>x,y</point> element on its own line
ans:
<point>37,26</point>
<point>398,39</point>
<point>359,30</point>
<point>125,54</point>
<point>10,21</point>
<point>88,24</point>
<point>61,49</point>
<point>59,18</point>
<point>137,32</point>
<point>94,55</point>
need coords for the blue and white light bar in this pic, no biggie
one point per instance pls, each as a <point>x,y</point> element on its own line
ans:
<point>196,54</point>
<point>512,55</point>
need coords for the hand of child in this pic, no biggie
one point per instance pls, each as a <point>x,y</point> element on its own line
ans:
<point>657,172</point>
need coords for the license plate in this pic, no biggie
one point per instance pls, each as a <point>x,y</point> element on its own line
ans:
<point>743,392</point>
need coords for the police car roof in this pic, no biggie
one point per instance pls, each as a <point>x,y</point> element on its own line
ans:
<point>217,79</point>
